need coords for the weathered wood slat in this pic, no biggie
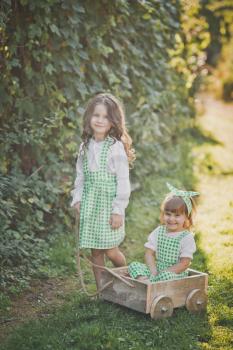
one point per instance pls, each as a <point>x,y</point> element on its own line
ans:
<point>177,290</point>
<point>120,293</point>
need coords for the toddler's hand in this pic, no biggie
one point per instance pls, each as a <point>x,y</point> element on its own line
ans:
<point>77,207</point>
<point>143,278</point>
<point>116,221</point>
<point>154,272</point>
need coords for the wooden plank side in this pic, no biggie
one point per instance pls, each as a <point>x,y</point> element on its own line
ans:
<point>206,282</point>
<point>195,272</point>
<point>120,270</point>
<point>178,290</point>
<point>120,293</point>
<point>149,297</point>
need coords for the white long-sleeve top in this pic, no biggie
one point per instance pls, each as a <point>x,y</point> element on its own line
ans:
<point>117,164</point>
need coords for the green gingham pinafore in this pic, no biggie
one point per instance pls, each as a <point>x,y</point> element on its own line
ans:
<point>96,206</point>
<point>168,250</point>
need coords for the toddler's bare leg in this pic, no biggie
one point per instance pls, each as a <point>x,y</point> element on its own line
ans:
<point>116,256</point>
<point>98,259</point>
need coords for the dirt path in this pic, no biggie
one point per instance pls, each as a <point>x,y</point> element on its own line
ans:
<point>37,302</point>
<point>215,211</point>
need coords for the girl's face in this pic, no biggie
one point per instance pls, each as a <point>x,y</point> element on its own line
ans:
<point>174,221</point>
<point>99,123</point>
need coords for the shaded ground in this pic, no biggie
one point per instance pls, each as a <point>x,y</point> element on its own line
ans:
<point>39,301</point>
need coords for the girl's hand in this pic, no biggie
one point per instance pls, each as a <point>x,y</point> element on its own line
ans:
<point>154,272</point>
<point>77,207</point>
<point>116,221</point>
<point>181,266</point>
<point>143,278</point>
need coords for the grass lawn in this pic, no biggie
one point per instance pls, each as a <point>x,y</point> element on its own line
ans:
<point>90,324</point>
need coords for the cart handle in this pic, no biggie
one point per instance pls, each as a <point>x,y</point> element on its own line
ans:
<point>110,271</point>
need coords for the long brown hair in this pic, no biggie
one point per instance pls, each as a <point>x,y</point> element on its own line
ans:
<point>115,115</point>
<point>176,204</point>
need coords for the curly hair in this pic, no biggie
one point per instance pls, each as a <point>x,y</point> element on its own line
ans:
<point>116,116</point>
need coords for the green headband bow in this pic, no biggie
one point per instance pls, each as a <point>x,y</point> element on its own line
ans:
<point>186,195</point>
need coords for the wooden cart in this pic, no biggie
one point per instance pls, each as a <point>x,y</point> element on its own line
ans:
<point>160,298</point>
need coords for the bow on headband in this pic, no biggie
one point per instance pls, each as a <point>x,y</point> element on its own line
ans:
<point>185,195</point>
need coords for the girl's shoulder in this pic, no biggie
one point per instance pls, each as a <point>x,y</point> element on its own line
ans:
<point>117,147</point>
<point>159,229</point>
<point>188,233</point>
<point>188,237</point>
<point>157,232</point>
<point>116,144</point>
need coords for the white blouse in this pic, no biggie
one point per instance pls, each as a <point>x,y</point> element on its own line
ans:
<point>117,164</point>
<point>187,244</point>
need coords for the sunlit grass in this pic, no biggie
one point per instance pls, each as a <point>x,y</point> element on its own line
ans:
<point>214,164</point>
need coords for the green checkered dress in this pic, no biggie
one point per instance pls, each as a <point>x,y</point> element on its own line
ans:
<point>96,206</point>
<point>167,255</point>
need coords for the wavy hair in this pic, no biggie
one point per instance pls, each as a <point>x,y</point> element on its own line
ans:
<point>116,116</point>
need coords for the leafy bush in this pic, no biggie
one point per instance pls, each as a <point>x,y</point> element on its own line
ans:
<point>56,54</point>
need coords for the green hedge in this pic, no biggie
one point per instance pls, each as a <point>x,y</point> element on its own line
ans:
<point>56,54</point>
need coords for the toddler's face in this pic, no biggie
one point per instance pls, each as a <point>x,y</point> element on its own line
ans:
<point>174,221</point>
<point>100,124</point>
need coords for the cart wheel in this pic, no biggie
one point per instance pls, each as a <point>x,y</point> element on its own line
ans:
<point>196,301</point>
<point>161,307</point>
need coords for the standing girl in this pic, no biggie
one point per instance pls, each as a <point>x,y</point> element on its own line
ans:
<point>170,247</point>
<point>102,186</point>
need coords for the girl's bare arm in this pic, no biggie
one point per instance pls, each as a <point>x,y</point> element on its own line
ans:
<point>150,260</point>
<point>181,266</point>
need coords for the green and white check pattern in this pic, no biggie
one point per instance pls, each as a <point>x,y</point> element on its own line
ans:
<point>167,255</point>
<point>185,195</point>
<point>96,206</point>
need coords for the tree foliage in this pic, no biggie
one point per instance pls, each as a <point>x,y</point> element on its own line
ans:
<point>204,45</point>
<point>54,55</point>
<point>219,16</point>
